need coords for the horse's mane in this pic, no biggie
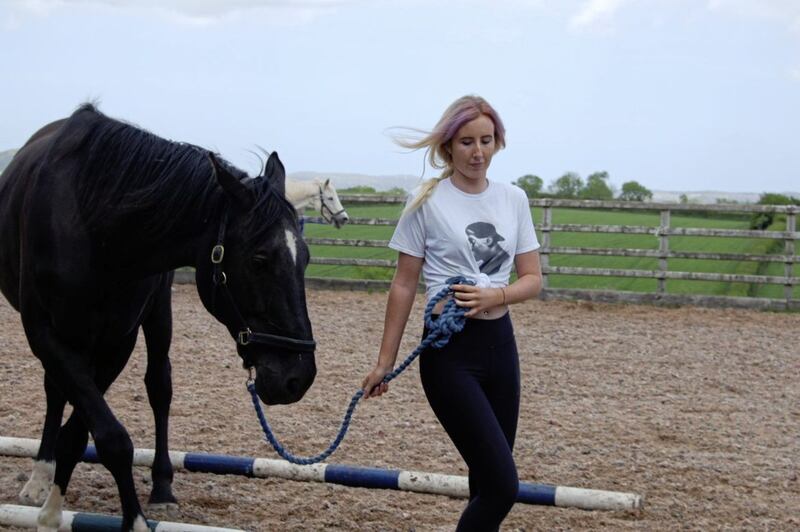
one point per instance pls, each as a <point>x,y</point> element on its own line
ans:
<point>132,180</point>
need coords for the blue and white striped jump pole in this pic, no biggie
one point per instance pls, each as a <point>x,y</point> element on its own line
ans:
<point>25,517</point>
<point>362,477</point>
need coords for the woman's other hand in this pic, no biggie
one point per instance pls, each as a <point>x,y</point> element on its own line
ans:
<point>373,384</point>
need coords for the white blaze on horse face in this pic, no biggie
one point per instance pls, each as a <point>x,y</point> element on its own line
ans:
<point>291,243</point>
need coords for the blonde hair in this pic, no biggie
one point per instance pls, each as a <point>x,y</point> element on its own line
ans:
<point>437,141</point>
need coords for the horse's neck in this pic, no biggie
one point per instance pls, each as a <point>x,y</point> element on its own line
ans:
<point>188,240</point>
<point>301,194</point>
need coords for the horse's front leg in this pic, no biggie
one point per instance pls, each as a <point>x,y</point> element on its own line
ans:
<point>157,328</point>
<point>38,486</point>
<point>83,385</point>
<point>114,449</point>
<point>70,444</point>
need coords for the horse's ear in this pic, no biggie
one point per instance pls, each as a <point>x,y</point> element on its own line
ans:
<point>276,173</point>
<point>327,182</point>
<point>233,187</point>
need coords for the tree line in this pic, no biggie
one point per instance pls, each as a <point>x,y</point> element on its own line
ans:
<point>572,186</point>
<point>762,220</point>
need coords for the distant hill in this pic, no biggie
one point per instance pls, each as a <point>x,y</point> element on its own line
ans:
<point>704,196</point>
<point>711,196</point>
<point>343,180</point>
<point>5,158</point>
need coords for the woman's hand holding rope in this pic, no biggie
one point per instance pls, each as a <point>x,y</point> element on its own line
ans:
<point>477,299</point>
<point>373,384</point>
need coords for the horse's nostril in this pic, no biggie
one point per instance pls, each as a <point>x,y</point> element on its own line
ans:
<point>293,386</point>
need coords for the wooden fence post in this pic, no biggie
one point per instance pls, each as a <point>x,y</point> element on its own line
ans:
<point>789,249</point>
<point>663,248</point>
<point>544,256</point>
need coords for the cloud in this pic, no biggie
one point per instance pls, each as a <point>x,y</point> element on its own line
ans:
<point>595,14</point>
<point>33,7</point>
<point>601,14</point>
<point>189,11</point>
<point>794,73</point>
<point>782,11</point>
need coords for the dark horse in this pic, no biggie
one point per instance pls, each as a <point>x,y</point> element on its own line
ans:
<point>94,214</point>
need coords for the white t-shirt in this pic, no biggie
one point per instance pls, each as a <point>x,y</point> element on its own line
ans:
<point>474,235</point>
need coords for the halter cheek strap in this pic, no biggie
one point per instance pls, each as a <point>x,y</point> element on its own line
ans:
<point>245,335</point>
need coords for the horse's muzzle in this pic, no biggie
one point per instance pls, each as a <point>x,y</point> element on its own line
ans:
<point>340,219</point>
<point>286,379</point>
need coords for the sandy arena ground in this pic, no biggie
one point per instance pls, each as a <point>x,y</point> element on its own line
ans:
<point>698,410</point>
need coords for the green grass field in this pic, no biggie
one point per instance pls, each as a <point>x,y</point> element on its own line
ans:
<point>564,239</point>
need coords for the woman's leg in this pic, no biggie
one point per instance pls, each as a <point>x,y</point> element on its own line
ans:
<point>478,411</point>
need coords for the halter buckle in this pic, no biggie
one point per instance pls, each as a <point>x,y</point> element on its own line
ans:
<point>217,253</point>
<point>244,336</point>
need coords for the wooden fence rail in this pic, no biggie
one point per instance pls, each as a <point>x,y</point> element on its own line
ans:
<point>663,232</point>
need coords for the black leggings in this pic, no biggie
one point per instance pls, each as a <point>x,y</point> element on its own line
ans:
<point>472,384</point>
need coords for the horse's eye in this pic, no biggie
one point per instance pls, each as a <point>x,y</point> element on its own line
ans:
<point>260,260</point>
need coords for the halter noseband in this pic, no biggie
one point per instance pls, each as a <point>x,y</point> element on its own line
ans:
<point>323,208</point>
<point>245,335</point>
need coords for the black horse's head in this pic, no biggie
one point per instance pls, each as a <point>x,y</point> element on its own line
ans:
<point>251,279</point>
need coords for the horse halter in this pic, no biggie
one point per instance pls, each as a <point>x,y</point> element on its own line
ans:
<point>327,214</point>
<point>245,335</point>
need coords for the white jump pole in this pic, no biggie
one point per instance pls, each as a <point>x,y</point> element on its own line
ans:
<point>365,477</point>
<point>25,517</point>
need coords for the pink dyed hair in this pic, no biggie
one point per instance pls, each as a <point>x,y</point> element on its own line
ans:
<point>461,111</point>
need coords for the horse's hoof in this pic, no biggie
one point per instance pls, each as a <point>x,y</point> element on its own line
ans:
<point>170,509</point>
<point>140,524</point>
<point>49,517</point>
<point>35,491</point>
<point>34,494</point>
<point>161,497</point>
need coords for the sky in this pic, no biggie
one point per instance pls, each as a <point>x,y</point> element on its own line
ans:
<point>679,95</point>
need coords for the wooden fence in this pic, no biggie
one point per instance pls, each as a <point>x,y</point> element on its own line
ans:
<point>663,232</point>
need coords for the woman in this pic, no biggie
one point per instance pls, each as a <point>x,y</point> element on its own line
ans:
<point>457,224</point>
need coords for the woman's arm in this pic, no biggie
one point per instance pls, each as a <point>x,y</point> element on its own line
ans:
<point>529,278</point>
<point>527,286</point>
<point>398,307</point>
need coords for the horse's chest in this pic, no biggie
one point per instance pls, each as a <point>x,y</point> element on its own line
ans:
<point>98,320</point>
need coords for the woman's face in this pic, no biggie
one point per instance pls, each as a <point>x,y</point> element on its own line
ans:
<point>472,148</point>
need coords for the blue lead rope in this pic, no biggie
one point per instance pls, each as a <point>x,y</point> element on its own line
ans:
<point>451,321</point>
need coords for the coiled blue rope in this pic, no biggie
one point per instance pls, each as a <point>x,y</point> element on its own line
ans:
<point>450,321</point>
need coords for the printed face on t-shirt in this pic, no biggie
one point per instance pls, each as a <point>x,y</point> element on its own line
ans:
<point>484,242</point>
<point>481,247</point>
